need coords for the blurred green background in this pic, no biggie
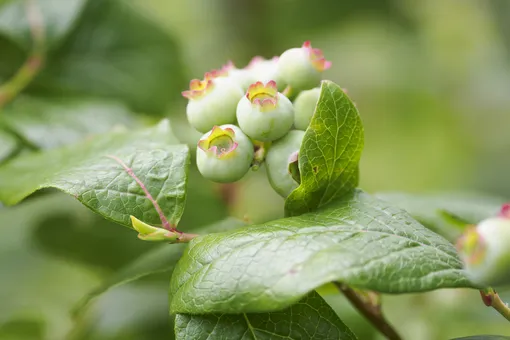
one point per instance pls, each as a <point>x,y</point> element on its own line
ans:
<point>431,80</point>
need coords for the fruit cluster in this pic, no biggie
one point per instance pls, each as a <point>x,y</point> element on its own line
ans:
<point>247,117</point>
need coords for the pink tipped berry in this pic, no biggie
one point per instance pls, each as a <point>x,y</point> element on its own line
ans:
<point>212,101</point>
<point>282,154</point>
<point>264,70</point>
<point>301,68</point>
<point>243,77</point>
<point>224,154</point>
<point>304,107</point>
<point>265,114</point>
<point>485,251</point>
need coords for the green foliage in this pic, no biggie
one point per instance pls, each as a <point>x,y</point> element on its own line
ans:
<point>310,318</point>
<point>358,240</point>
<point>330,152</point>
<point>88,172</point>
<point>45,124</point>
<point>446,213</point>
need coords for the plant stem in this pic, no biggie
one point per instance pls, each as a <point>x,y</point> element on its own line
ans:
<point>261,149</point>
<point>491,299</point>
<point>31,67</point>
<point>186,238</point>
<point>370,311</point>
<point>501,307</point>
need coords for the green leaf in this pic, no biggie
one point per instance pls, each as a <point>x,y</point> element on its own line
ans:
<point>310,318</point>
<point>445,212</point>
<point>330,152</point>
<point>8,145</point>
<point>115,52</point>
<point>48,124</point>
<point>91,172</point>
<point>484,337</point>
<point>358,240</point>
<point>57,17</point>
<point>162,259</point>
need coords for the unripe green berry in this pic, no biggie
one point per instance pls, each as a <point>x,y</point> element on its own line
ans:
<point>301,68</point>
<point>264,114</point>
<point>304,107</point>
<point>212,102</point>
<point>278,158</point>
<point>265,70</point>
<point>224,154</point>
<point>486,253</point>
<point>241,76</point>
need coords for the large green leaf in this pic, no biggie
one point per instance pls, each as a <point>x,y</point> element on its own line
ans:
<point>88,172</point>
<point>330,152</point>
<point>57,17</point>
<point>446,212</point>
<point>484,337</point>
<point>358,239</point>
<point>116,52</point>
<point>310,318</point>
<point>48,124</point>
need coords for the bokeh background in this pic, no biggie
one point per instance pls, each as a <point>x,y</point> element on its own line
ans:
<point>431,80</point>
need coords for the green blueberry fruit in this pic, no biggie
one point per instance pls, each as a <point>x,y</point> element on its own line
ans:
<point>485,251</point>
<point>264,114</point>
<point>301,68</point>
<point>304,107</point>
<point>212,102</point>
<point>283,153</point>
<point>224,154</point>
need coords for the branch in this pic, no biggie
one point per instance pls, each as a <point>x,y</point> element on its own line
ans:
<point>370,310</point>
<point>491,299</point>
<point>31,67</point>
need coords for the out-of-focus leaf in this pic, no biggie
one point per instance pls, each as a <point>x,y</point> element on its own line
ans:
<point>86,238</point>
<point>443,212</point>
<point>35,285</point>
<point>57,17</point>
<point>159,260</point>
<point>88,172</point>
<point>115,52</point>
<point>8,145</point>
<point>358,239</point>
<point>310,318</point>
<point>22,329</point>
<point>130,312</point>
<point>51,123</point>
<point>330,152</point>
<point>484,337</point>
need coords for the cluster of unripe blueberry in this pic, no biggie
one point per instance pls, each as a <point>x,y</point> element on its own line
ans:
<point>247,117</point>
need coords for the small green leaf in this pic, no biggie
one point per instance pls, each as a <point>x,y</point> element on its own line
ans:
<point>91,171</point>
<point>330,152</point>
<point>358,240</point>
<point>444,212</point>
<point>57,17</point>
<point>48,124</point>
<point>310,318</point>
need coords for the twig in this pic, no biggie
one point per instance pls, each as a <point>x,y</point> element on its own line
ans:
<point>27,72</point>
<point>491,299</point>
<point>369,310</point>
